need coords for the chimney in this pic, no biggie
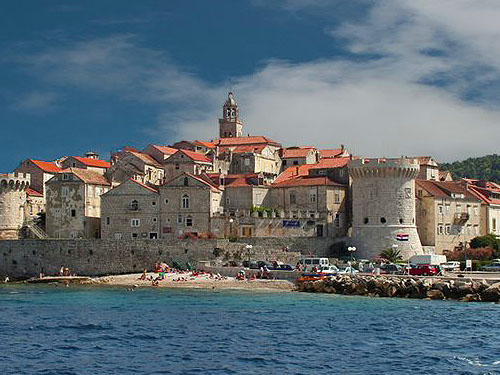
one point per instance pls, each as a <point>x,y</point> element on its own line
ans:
<point>297,170</point>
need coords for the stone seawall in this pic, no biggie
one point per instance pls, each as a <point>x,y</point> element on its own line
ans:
<point>27,258</point>
<point>405,287</point>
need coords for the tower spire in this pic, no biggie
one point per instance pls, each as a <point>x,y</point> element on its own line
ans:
<point>230,125</point>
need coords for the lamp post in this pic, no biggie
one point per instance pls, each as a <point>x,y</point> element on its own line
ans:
<point>249,250</point>
<point>231,227</point>
<point>352,250</point>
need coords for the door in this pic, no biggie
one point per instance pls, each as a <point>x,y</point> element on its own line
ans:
<point>319,230</point>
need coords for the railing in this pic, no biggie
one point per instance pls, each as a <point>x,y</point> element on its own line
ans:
<point>37,231</point>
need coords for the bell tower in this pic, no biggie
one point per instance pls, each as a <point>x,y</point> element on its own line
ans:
<point>230,124</point>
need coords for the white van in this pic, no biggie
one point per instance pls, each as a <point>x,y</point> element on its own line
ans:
<point>309,263</point>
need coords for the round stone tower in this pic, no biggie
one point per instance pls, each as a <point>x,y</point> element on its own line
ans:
<point>12,200</point>
<point>383,206</point>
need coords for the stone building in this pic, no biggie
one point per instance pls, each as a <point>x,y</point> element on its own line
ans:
<point>34,204</point>
<point>91,162</point>
<point>447,215</point>
<point>131,210</point>
<point>489,195</point>
<point>159,153</point>
<point>318,200</point>
<point>185,161</point>
<point>429,168</point>
<point>40,172</point>
<point>13,188</point>
<point>73,207</point>
<point>383,206</point>
<point>187,205</point>
<point>130,163</point>
<point>292,156</point>
<point>203,147</point>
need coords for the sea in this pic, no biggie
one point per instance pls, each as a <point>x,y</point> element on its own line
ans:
<point>56,330</point>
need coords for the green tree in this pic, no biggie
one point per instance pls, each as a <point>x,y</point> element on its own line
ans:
<point>391,254</point>
<point>488,241</point>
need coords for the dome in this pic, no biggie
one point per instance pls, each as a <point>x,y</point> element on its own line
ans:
<point>230,102</point>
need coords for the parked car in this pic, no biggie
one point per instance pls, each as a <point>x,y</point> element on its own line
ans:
<point>451,266</point>
<point>493,267</point>
<point>286,267</point>
<point>391,269</point>
<point>346,270</point>
<point>328,270</point>
<point>424,270</point>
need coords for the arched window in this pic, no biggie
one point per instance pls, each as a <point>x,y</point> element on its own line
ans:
<point>186,181</point>
<point>134,205</point>
<point>185,201</point>
<point>365,220</point>
<point>382,220</point>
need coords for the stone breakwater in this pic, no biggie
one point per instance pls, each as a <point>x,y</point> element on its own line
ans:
<point>405,287</point>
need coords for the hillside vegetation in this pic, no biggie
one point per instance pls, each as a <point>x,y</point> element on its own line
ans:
<point>483,168</point>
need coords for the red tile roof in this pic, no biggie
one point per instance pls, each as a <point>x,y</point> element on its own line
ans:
<point>296,152</point>
<point>165,149</point>
<point>87,176</point>
<point>46,166</point>
<point>486,192</point>
<point>246,141</point>
<point>205,144</point>
<point>444,189</point>
<point>333,153</point>
<point>89,162</point>
<point>331,163</point>
<point>33,193</point>
<point>307,181</point>
<point>195,156</point>
<point>204,179</point>
<point>243,148</point>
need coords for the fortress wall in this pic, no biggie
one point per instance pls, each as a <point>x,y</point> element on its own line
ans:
<point>27,258</point>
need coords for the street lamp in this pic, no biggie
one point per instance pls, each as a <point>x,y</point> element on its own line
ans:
<point>351,249</point>
<point>249,250</point>
<point>231,227</point>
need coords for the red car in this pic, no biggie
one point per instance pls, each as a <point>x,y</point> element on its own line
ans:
<point>424,270</point>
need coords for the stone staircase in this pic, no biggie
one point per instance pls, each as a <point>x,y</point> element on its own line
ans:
<point>36,230</point>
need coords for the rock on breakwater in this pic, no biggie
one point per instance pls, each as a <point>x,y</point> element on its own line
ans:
<point>405,287</point>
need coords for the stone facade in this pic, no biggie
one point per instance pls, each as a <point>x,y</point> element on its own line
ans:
<point>185,161</point>
<point>383,206</point>
<point>130,211</point>
<point>187,205</point>
<point>447,215</point>
<point>134,164</point>
<point>73,208</point>
<point>39,171</point>
<point>13,188</point>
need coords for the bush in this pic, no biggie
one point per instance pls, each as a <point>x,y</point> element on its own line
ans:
<point>476,254</point>
<point>485,241</point>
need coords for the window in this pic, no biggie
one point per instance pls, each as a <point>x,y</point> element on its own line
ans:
<point>65,177</point>
<point>135,222</point>
<point>365,220</point>
<point>154,220</point>
<point>293,198</point>
<point>73,165</point>
<point>134,205</point>
<point>177,166</point>
<point>312,196</point>
<point>440,209</point>
<point>468,209</point>
<point>494,225</point>
<point>135,235</point>
<point>459,209</point>
<point>189,221</point>
<point>420,193</point>
<point>153,203</point>
<point>228,200</point>
<point>186,181</point>
<point>118,236</point>
<point>65,191</point>
<point>295,162</point>
<point>108,220</point>
<point>185,201</point>
<point>336,222</point>
<point>475,210</point>
<point>284,163</point>
<point>337,198</point>
<point>73,212</point>
<point>73,234</point>
<point>440,229</point>
<point>166,201</point>
<point>383,220</point>
<point>247,162</point>
<point>448,229</point>
<point>179,219</point>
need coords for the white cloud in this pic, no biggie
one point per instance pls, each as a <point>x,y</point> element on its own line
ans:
<point>37,102</point>
<point>377,107</point>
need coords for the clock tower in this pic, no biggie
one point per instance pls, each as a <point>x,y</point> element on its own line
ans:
<point>230,124</point>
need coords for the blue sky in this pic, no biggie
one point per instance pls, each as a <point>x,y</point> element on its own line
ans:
<point>383,77</point>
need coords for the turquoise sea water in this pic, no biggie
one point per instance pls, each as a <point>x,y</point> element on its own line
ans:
<point>77,330</point>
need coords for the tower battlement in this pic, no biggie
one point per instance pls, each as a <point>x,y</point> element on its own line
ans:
<point>20,180</point>
<point>12,202</point>
<point>384,168</point>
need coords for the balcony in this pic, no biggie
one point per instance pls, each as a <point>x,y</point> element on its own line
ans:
<point>461,218</point>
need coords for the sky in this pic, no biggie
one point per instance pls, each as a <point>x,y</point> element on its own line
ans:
<point>385,78</point>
